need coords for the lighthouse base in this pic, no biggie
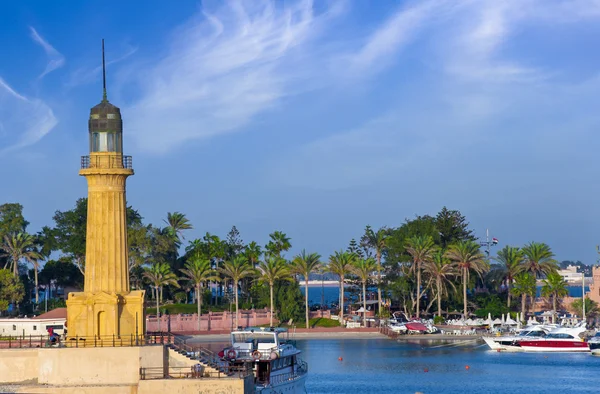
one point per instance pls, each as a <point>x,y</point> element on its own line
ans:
<point>97,318</point>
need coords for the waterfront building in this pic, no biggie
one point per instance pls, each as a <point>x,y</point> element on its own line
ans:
<point>107,307</point>
<point>594,293</point>
<point>570,274</point>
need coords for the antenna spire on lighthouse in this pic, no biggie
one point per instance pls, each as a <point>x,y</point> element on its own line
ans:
<point>104,97</point>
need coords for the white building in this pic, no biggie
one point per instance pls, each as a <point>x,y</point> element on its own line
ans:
<point>570,274</point>
<point>36,326</point>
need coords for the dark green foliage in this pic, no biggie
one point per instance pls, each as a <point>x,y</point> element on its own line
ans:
<point>490,303</point>
<point>453,227</point>
<point>11,289</point>
<point>11,222</point>
<point>64,273</point>
<point>288,300</point>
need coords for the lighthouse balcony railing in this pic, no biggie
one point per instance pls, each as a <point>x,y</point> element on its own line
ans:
<point>106,161</point>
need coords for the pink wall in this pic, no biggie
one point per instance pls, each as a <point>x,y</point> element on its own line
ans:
<point>212,321</point>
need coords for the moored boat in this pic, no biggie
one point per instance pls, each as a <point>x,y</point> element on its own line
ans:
<point>594,344</point>
<point>510,343</point>
<point>272,357</point>
<point>561,339</point>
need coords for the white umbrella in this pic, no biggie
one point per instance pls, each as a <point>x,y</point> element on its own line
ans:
<point>503,319</point>
<point>509,321</point>
<point>497,321</point>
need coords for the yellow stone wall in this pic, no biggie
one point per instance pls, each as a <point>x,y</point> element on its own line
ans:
<point>18,365</point>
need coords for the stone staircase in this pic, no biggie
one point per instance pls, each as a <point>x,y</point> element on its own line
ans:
<point>182,355</point>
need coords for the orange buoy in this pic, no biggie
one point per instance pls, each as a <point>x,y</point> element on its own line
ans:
<point>426,370</point>
<point>467,367</point>
<point>340,359</point>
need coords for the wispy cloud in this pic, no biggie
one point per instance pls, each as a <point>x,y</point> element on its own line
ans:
<point>23,121</point>
<point>87,75</point>
<point>223,68</point>
<point>398,31</point>
<point>55,58</point>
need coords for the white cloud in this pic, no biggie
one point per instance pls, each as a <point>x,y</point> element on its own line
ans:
<point>396,32</point>
<point>23,121</point>
<point>55,59</point>
<point>223,68</point>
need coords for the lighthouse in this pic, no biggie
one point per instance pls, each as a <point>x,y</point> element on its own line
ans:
<point>107,308</point>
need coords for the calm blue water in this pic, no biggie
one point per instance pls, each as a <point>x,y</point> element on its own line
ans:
<point>331,294</point>
<point>386,366</point>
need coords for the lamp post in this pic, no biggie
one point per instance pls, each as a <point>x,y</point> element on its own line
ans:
<point>487,243</point>
<point>583,293</point>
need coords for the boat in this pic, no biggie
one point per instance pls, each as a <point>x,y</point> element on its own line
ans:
<point>594,344</point>
<point>271,356</point>
<point>561,339</point>
<point>511,342</point>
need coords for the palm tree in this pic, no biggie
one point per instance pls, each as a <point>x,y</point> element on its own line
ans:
<point>377,241</point>
<point>198,271</point>
<point>539,259</point>
<point>422,249</point>
<point>177,222</point>
<point>467,257</point>
<point>511,261</point>
<point>341,263</point>
<point>237,269</point>
<point>440,269</point>
<point>363,269</point>
<point>252,253</point>
<point>19,246</point>
<point>270,270</point>
<point>303,264</point>
<point>279,243</point>
<point>525,285</point>
<point>160,275</point>
<point>554,286</point>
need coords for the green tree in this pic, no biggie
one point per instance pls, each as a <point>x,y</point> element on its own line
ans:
<point>422,249</point>
<point>252,251</point>
<point>341,263</point>
<point>64,273</point>
<point>453,227</point>
<point>304,264</point>
<point>363,268</point>
<point>271,270</point>
<point>198,271</point>
<point>160,275</point>
<point>395,252</point>
<point>554,286</point>
<point>11,289</point>
<point>234,243</point>
<point>278,244</point>
<point>377,241</point>
<point>11,222</point>
<point>237,269</point>
<point>441,270</point>
<point>591,307</point>
<point>539,259</point>
<point>511,263</point>
<point>177,223</point>
<point>70,232</point>
<point>467,257</point>
<point>21,246</point>
<point>525,285</point>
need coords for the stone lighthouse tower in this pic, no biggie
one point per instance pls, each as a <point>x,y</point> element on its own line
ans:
<point>107,308</point>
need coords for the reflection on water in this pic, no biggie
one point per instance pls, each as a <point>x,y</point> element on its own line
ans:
<point>437,366</point>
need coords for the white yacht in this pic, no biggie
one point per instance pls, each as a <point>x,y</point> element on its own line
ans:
<point>510,343</point>
<point>272,356</point>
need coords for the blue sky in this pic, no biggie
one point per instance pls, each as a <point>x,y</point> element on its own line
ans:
<point>315,119</point>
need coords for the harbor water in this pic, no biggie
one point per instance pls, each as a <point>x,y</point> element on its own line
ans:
<point>330,294</point>
<point>388,366</point>
<point>385,366</point>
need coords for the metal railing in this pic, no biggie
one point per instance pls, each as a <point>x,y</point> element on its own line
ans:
<point>107,161</point>
<point>193,372</point>
<point>33,341</point>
